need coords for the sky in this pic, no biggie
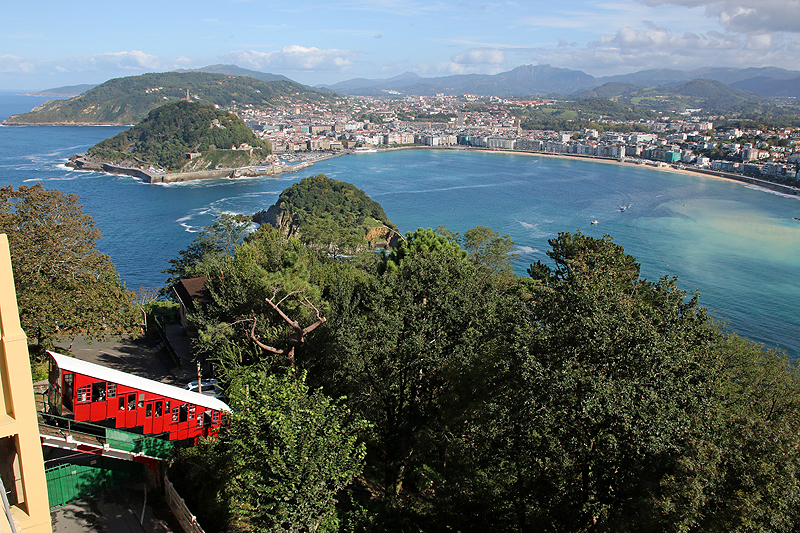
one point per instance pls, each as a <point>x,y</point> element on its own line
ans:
<point>53,43</point>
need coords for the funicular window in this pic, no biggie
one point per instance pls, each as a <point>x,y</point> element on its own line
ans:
<point>112,390</point>
<point>83,393</point>
<point>215,417</point>
<point>184,413</point>
<point>192,410</point>
<point>200,420</point>
<point>159,407</point>
<point>141,400</point>
<point>175,414</point>
<point>131,402</point>
<point>99,391</point>
<point>166,408</point>
<point>149,411</point>
<point>122,403</point>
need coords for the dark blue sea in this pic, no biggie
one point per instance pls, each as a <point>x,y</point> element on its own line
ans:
<point>737,245</point>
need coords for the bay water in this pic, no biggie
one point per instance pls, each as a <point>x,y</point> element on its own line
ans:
<point>739,246</point>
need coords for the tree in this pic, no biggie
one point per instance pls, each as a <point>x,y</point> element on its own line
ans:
<point>402,347</point>
<point>285,454</point>
<point>64,285</point>
<point>220,238</point>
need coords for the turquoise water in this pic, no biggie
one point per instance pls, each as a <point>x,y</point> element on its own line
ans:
<point>737,245</point>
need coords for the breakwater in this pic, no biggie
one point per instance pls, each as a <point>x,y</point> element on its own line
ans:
<point>79,162</point>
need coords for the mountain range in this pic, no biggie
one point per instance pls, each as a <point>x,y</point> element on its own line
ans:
<point>528,80</point>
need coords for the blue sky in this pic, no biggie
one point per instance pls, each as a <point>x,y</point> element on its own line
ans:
<point>51,43</point>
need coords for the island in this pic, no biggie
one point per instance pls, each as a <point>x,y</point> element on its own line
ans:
<point>183,141</point>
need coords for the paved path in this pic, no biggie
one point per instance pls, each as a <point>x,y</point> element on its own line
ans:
<point>139,356</point>
<point>117,510</point>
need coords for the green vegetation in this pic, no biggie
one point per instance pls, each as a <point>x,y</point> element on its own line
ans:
<point>579,398</point>
<point>279,462</point>
<point>64,285</point>
<point>169,133</point>
<point>330,213</point>
<point>580,114</point>
<point>128,100</point>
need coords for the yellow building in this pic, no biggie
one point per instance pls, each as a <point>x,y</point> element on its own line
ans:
<point>21,463</point>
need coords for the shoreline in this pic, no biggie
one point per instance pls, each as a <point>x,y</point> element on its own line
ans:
<point>80,163</point>
<point>785,190</point>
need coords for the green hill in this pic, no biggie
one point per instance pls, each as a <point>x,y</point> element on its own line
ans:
<point>331,213</point>
<point>171,132</point>
<point>124,101</point>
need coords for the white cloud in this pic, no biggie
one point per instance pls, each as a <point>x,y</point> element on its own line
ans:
<point>480,56</point>
<point>9,63</point>
<point>745,16</point>
<point>294,58</point>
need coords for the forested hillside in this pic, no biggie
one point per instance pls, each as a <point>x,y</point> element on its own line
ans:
<point>319,209</point>
<point>125,101</point>
<point>431,389</point>
<point>169,133</point>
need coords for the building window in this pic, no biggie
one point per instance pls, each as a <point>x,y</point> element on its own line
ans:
<point>83,393</point>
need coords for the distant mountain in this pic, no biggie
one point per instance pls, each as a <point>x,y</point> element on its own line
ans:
<point>125,101</point>
<point>64,92</point>
<point>523,80</point>
<point>766,86</point>
<point>233,70</point>
<point>612,89</point>
<point>403,80</point>
<point>545,79</point>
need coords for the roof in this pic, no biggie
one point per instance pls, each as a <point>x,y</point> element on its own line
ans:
<point>86,368</point>
<point>191,290</point>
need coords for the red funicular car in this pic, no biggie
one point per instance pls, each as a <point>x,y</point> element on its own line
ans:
<point>94,393</point>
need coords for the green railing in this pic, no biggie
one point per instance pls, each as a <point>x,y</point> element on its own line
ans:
<point>115,439</point>
<point>162,332</point>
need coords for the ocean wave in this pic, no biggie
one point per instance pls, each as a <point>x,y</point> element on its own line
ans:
<point>777,193</point>
<point>442,189</point>
<point>527,249</point>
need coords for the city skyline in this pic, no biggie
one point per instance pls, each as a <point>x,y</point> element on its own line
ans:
<point>49,44</point>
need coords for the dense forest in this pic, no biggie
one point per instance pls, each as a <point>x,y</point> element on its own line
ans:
<point>431,389</point>
<point>170,132</point>
<point>330,213</point>
<point>124,101</point>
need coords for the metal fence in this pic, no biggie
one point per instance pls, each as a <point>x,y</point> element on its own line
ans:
<point>69,482</point>
<point>114,438</point>
<point>162,332</point>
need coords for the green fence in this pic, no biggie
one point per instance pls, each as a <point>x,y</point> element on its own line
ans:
<point>115,438</point>
<point>131,442</point>
<point>69,482</point>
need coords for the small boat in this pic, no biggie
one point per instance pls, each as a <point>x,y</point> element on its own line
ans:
<point>594,222</point>
<point>623,208</point>
<point>796,218</point>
